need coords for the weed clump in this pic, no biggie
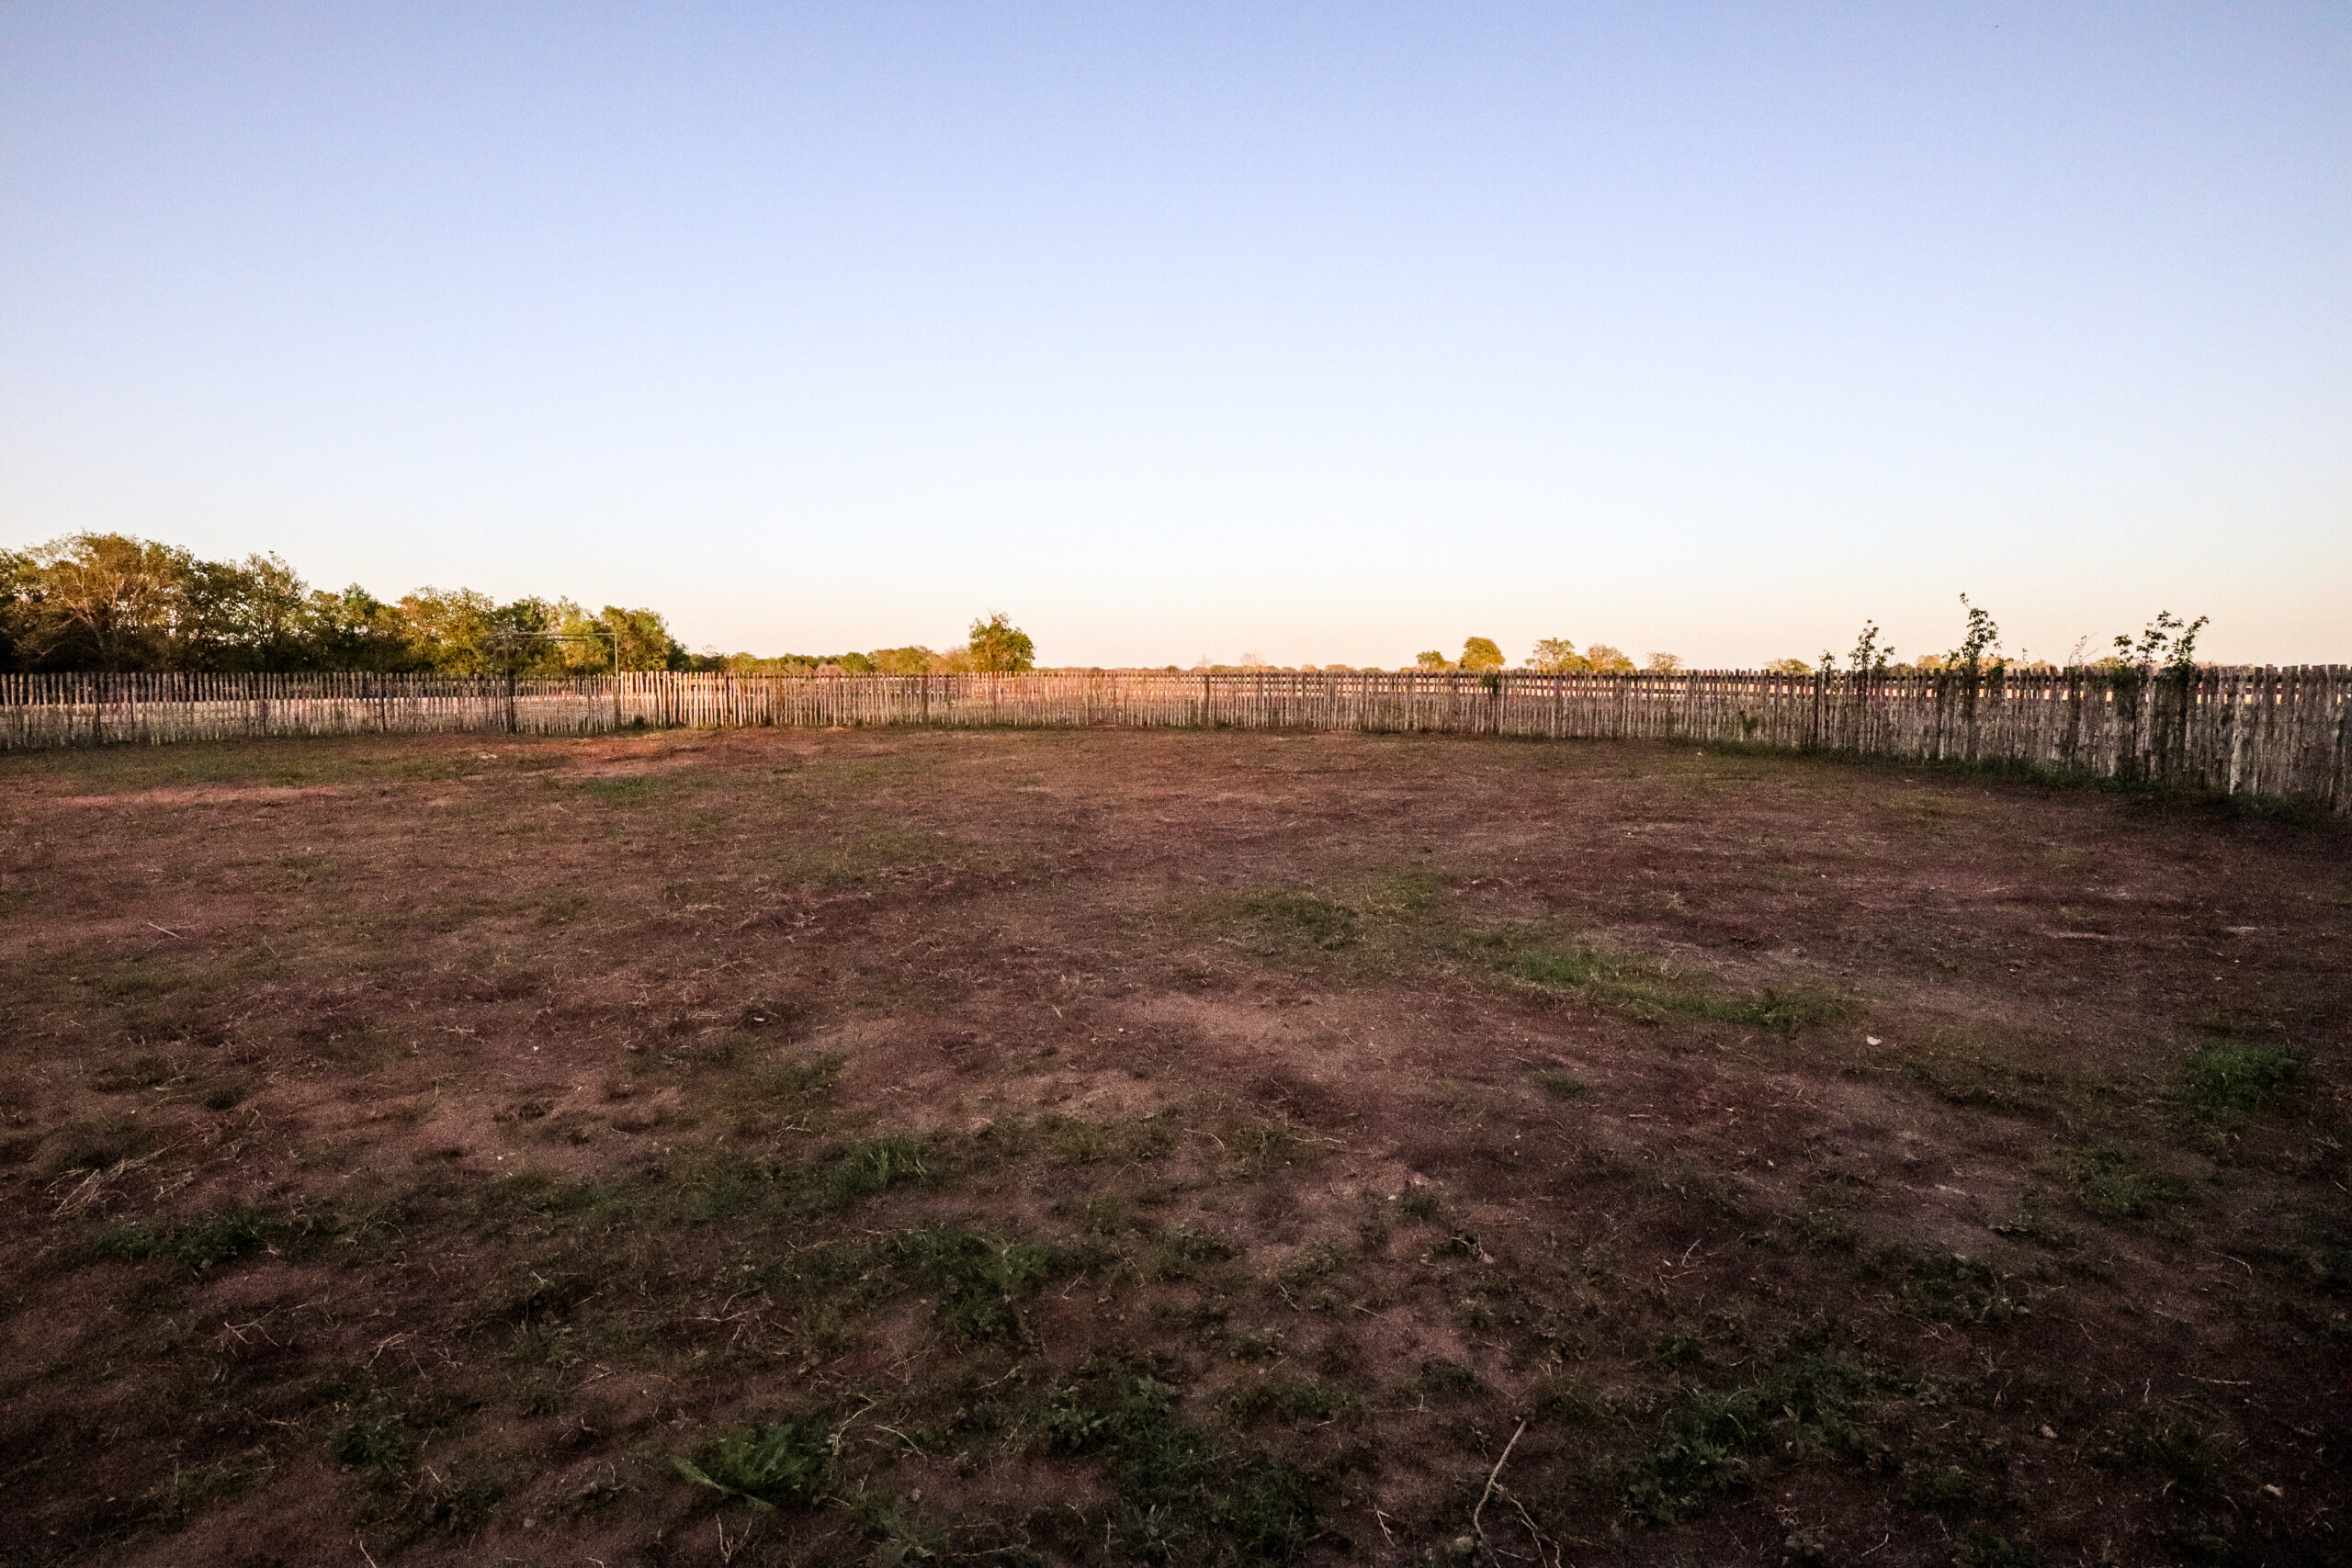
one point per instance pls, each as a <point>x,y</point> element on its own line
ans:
<point>784,1465</point>
<point>982,1280</point>
<point>880,1164</point>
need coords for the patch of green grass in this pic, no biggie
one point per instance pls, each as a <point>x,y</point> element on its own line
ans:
<point>1182,1251</point>
<point>1269,1144</point>
<point>2160,1441</point>
<point>1288,917</point>
<point>980,1280</point>
<point>878,1164</point>
<point>1082,1143</point>
<point>2228,1083</point>
<point>1187,1498</point>
<point>1950,1287</point>
<point>1644,990</point>
<point>2111,1183</point>
<point>786,1464</point>
<point>1718,1441</point>
<point>217,1238</point>
<point>1289,1398</point>
<point>1562,1085</point>
<point>634,791</point>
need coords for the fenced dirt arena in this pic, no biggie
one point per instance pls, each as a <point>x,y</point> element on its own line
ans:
<point>763,1145</point>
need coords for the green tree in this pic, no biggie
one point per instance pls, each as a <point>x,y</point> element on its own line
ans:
<point>999,647</point>
<point>1430,661</point>
<point>1609,660</point>
<point>1663,663</point>
<point>99,602</point>
<point>1558,656</point>
<point>1788,667</point>
<point>356,630</point>
<point>1479,653</point>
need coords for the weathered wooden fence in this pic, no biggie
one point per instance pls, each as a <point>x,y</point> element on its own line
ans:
<point>2284,733</point>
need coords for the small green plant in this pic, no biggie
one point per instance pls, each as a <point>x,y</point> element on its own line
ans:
<point>1562,1085</point>
<point>785,1465</point>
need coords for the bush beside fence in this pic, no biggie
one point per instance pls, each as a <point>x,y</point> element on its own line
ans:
<point>2279,733</point>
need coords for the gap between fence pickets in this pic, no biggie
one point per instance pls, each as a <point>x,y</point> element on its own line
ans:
<point>2281,732</point>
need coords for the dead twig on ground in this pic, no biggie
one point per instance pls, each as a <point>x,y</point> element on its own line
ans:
<point>1476,1528</point>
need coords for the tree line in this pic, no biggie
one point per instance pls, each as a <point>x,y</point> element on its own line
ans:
<point>113,602</point>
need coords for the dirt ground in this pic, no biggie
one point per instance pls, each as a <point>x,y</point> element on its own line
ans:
<point>779,1146</point>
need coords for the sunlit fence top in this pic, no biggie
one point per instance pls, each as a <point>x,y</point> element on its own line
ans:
<point>2282,733</point>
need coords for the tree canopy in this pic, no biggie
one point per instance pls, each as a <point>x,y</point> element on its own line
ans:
<point>113,602</point>
<point>999,647</point>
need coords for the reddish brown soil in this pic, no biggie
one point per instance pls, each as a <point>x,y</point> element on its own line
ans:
<point>1482,1151</point>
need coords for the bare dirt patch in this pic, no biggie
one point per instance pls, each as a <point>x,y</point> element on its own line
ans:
<point>1105,1147</point>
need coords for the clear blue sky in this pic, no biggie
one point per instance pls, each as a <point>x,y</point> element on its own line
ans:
<point>1328,331</point>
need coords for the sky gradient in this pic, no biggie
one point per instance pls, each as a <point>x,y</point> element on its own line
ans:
<point>1325,331</point>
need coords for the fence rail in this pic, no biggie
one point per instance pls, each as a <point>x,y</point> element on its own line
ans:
<point>2275,732</point>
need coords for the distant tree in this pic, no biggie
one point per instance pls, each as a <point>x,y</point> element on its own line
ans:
<point>99,602</point>
<point>356,630</point>
<point>999,647</point>
<point>912,660</point>
<point>1479,653</point>
<point>1609,660</point>
<point>17,589</point>
<point>1788,667</point>
<point>645,640</point>
<point>1432,660</point>
<point>1558,656</point>
<point>1663,663</point>
<point>1252,661</point>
